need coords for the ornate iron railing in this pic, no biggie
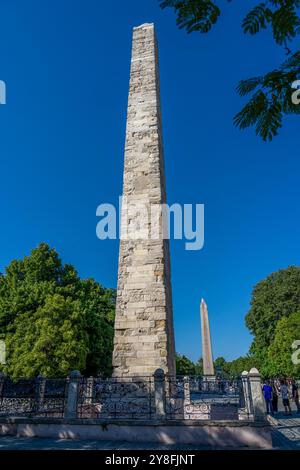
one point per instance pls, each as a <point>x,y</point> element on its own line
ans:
<point>112,398</point>
<point>146,398</point>
<point>37,397</point>
<point>203,398</point>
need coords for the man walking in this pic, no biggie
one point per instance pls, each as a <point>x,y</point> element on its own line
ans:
<point>268,396</point>
<point>285,398</point>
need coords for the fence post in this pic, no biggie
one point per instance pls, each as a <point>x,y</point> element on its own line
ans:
<point>186,390</point>
<point>246,394</point>
<point>72,395</point>
<point>186,397</point>
<point>159,394</point>
<point>40,386</point>
<point>89,390</point>
<point>2,378</point>
<point>256,395</point>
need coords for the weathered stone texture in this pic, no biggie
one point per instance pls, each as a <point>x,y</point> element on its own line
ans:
<point>208,363</point>
<point>144,337</point>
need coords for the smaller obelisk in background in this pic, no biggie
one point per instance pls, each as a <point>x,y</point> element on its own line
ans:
<point>208,364</point>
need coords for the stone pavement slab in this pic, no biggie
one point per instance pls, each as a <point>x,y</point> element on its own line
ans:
<point>286,431</point>
<point>23,443</point>
<point>285,436</point>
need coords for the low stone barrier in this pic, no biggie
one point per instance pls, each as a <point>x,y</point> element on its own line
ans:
<point>225,434</point>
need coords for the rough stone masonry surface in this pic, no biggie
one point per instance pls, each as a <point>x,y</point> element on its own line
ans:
<point>144,335</point>
<point>208,363</point>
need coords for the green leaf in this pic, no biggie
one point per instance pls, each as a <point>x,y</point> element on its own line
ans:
<point>246,86</point>
<point>285,23</point>
<point>194,15</point>
<point>257,19</point>
<point>269,121</point>
<point>251,111</point>
<point>292,62</point>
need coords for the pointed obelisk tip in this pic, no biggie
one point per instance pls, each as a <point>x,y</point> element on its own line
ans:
<point>203,301</point>
<point>145,25</point>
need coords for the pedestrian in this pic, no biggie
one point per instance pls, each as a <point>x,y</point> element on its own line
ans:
<point>268,395</point>
<point>274,398</point>
<point>295,395</point>
<point>285,397</point>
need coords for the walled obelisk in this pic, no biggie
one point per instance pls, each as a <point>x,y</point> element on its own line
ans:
<point>208,364</point>
<point>144,336</point>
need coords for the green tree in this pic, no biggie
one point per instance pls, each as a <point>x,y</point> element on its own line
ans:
<point>184,366</point>
<point>223,365</point>
<point>271,93</point>
<point>237,366</point>
<point>233,369</point>
<point>51,320</point>
<point>275,297</point>
<point>220,362</point>
<point>280,351</point>
<point>199,367</point>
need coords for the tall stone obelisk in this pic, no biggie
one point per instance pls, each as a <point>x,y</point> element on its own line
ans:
<point>208,364</point>
<point>144,336</point>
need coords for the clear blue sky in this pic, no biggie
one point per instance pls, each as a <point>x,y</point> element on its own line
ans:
<point>66,65</point>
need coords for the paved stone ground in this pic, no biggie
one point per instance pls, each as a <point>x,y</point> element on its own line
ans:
<point>23,443</point>
<point>286,431</point>
<point>285,436</point>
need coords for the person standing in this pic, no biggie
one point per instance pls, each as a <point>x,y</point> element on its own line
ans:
<point>268,395</point>
<point>274,397</point>
<point>285,398</point>
<point>295,395</point>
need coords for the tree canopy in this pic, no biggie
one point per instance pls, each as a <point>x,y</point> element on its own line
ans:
<point>184,366</point>
<point>280,352</point>
<point>51,320</point>
<point>274,298</point>
<point>229,369</point>
<point>271,93</point>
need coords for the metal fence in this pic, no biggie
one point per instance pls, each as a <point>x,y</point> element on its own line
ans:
<point>204,398</point>
<point>139,398</point>
<point>36,397</point>
<point>112,398</point>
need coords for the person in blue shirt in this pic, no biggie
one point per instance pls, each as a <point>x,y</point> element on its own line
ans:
<point>268,396</point>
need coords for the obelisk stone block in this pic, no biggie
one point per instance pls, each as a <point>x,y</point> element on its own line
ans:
<point>144,337</point>
<point>208,364</point>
